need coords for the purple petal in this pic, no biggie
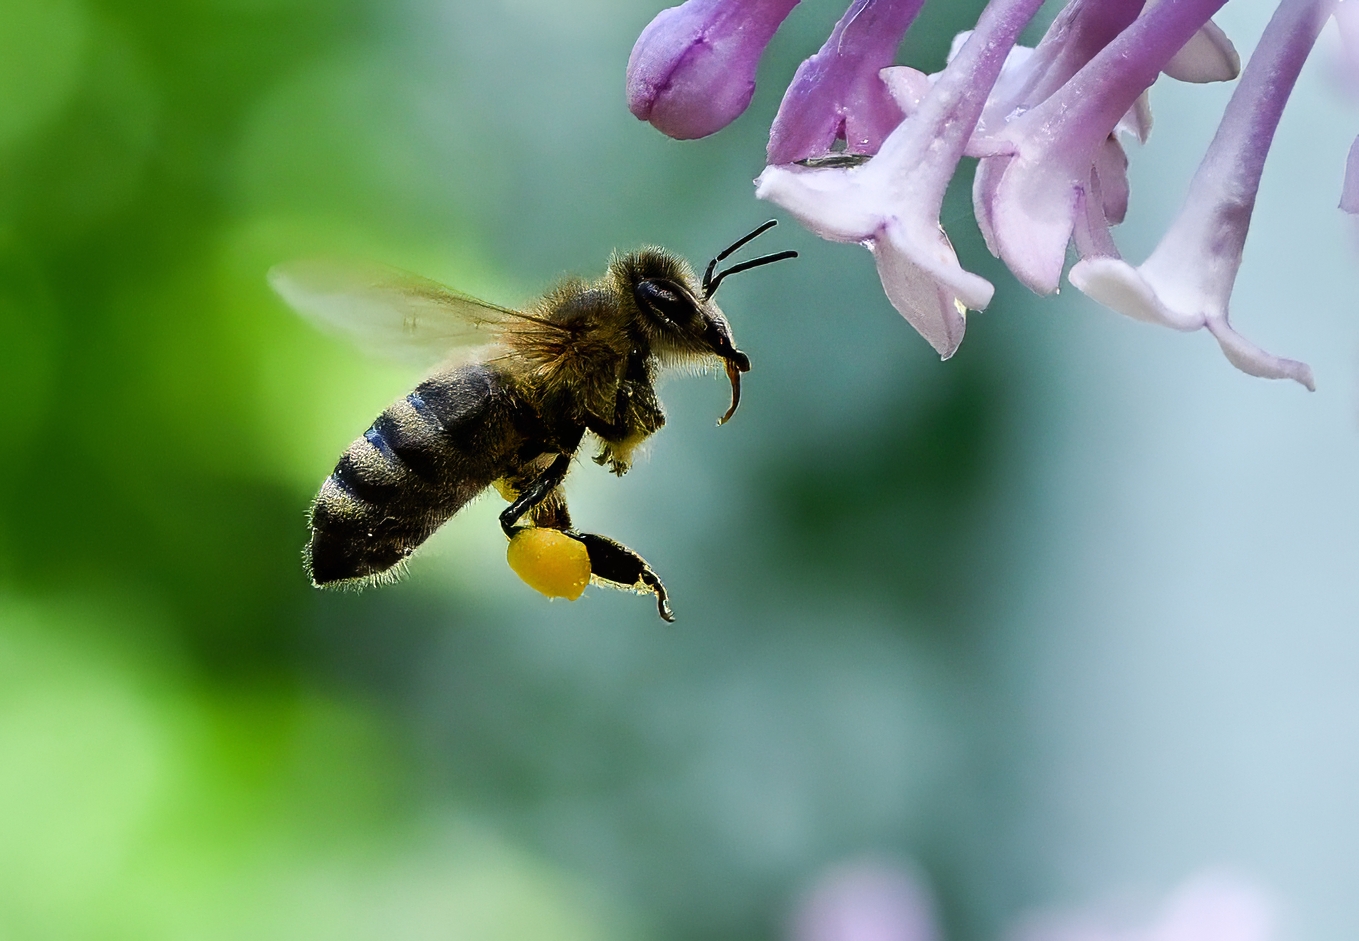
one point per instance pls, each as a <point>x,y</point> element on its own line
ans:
<point>984,183</point>
<point>1080,31</point>
<point>692,71</point>
<point>1091,229</point>
<point>1056,143</point>
<point>836,94</point>
<point>1077,34</point>
<point>1347,20</point>
<point>1208,57</point>
<point>921,276</point>
<point>1349,195</point>
<point>1111,171</point>
<point>1187,281</point>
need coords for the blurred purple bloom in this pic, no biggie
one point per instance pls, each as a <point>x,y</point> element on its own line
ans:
<point>882,901</point>
<point>836,94</point>
<point>1209,907</point>
<point>891,204</point>
<point>865,901</point>
<point>692,71</point>
<point>1187,281</point>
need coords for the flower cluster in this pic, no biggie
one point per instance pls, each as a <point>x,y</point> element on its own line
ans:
<point>862,150</point>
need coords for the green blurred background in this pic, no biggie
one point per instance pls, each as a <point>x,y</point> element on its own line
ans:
<point>947,612</point>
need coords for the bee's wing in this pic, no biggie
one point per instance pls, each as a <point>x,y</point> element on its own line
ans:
<point>387,311</point>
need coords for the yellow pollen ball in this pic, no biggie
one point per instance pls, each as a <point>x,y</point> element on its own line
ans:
<point>550,562</point>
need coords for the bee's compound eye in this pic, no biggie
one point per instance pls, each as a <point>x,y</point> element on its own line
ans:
<point>550,562</point>
<point>666,300</point>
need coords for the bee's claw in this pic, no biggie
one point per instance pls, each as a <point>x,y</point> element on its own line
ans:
<point>615,563</point>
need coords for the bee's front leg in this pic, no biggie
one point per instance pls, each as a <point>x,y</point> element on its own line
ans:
<point>614,562</point>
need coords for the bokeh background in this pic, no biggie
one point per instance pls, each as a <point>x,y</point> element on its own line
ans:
<point>1071,616</point>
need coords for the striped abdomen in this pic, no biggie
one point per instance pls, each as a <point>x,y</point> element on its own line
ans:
<point>422,460</point>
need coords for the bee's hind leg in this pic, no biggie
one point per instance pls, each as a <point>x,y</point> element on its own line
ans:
<point>614,562</point>
<point>535,494</point>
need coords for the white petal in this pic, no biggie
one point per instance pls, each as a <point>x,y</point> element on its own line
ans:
<point>990,171</point>
<point>1137,122</point>
<point>1120,287</point>
<point>1032,215</point>
<point>1250,359</point>
<point>826,201</point>
<point>959,40</point>
<point>1208,57</point>
<point>906,85</point>
<point>923,280</point>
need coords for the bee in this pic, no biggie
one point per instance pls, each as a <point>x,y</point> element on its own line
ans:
<point>510,404</point>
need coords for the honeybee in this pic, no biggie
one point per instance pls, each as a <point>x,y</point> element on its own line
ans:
<point>510,403</point>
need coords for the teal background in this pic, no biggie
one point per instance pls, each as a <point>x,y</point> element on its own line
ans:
<point>1072,614</point>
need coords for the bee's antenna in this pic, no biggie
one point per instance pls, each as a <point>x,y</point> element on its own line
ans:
<point>721,256</point>
<point>710,288</point>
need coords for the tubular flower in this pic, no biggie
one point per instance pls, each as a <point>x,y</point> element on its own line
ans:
<point>692,71</point>
<point>836,94</point>
<point>1079,32</point>
<point>1187,282</point>
<point>1047,183</point>
<point>863,150</point>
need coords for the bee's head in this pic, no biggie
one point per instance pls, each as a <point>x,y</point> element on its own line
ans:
<point>678,314</point>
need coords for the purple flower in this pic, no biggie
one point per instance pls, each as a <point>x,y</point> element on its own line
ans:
<point>1047,126</point>
<point>1209,907</point>
<point>891,204</point>
<point>692,71</point>
<point>1187,281</point>
<point>836,94</point>
<point>1040,182</point>
<point>1079,32</point>
<point>880,901</point>
<point>865,901</point>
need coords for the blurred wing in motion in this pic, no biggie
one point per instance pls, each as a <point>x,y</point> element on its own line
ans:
<point>389,312</point>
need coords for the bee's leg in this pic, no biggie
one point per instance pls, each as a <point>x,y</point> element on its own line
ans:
<point>614,562</point>
<point>535,493</point>
<point>552,512</point>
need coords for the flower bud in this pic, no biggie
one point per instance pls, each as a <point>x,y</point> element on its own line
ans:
<point>692,71</point>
